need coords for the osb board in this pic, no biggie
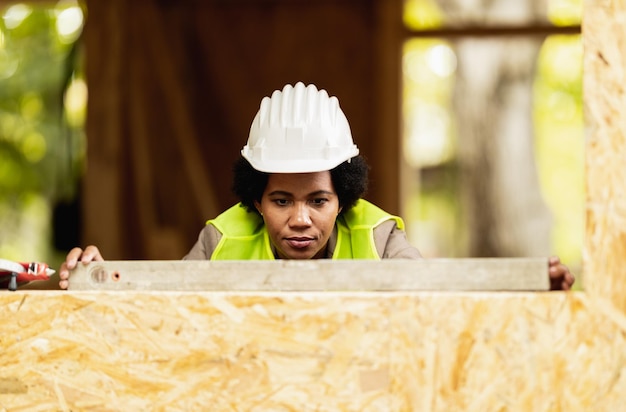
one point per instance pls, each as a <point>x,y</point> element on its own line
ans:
<point>315,351</point>
<point>604,41</point>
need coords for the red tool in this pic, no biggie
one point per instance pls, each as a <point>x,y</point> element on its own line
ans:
<point>21,272</point>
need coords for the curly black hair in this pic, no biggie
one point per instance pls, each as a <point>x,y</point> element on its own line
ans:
<point>350,180</point>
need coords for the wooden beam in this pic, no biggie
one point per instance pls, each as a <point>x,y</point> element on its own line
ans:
<point>315,275</point>
<point>103,201</point>
<point>541,30</point>
<point>386,145</point>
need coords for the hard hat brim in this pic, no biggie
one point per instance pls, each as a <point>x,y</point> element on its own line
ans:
<point>297,165</point>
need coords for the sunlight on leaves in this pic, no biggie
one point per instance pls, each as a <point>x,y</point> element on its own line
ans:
<point>41,121</point>
<point>15,15</point>
<point>9,63</point>
<point>69,21</point>
<point>76,102</point>
<point>565,12</point>
<point>422,14</point>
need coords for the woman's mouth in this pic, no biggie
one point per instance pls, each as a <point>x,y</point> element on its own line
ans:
<point>299,242</point>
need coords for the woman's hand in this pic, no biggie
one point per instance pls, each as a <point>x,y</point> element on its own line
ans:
<point>560,276</point>
<point>91,253</point>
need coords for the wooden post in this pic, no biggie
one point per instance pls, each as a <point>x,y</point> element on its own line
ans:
<point>604,257</point>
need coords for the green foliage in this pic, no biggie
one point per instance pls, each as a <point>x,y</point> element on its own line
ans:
<point>40,154</point>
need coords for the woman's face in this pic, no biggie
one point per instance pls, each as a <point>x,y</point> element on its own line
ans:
<point>299,210</point>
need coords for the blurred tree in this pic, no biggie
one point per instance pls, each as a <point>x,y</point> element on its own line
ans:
<point>42,106</point>
<point>479,102</point>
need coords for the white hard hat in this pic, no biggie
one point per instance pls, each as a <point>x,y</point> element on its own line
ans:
<point>299,130</point>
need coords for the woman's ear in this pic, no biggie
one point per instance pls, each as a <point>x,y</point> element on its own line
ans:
<point>257,205</point>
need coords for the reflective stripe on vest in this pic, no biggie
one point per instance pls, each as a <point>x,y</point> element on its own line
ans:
<point>245,237</point>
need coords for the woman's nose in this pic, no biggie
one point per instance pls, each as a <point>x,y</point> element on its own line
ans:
<point>300,216</point>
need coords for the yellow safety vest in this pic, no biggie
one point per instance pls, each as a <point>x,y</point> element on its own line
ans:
<point>245,237</point>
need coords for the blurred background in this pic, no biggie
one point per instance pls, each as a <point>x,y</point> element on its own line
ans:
<point>119,121</point>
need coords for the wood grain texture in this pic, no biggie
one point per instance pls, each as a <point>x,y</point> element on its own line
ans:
<point>604,254</point>
<point>528,274</point>
<point>313,351</point>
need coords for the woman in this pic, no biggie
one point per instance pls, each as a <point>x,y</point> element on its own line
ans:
<point>300,182</point>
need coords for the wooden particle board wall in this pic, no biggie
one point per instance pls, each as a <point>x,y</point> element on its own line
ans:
<point>309,351</point>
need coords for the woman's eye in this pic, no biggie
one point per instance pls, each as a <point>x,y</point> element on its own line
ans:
<point>281,202</point>
<point>319,201</point>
